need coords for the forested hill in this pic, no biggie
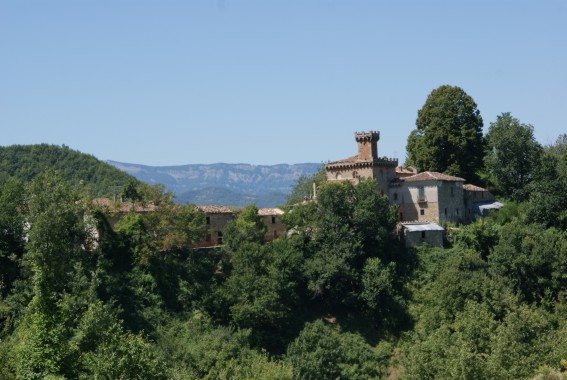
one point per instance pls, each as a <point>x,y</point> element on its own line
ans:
<point>25,162</point>
<point>227,184</point>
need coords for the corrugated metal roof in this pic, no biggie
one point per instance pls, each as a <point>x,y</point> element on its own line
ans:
<point>413,227</point>
<point>489,206</point>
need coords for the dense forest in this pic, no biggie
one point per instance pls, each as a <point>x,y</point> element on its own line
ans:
<point>25,162</point>
<point>339,297</point>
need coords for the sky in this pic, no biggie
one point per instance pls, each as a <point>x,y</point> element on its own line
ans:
<point>265,82</point>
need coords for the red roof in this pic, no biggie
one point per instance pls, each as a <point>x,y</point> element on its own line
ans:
<point>432,176</point>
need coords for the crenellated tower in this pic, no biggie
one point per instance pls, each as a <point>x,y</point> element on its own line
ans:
<point>367,145</point>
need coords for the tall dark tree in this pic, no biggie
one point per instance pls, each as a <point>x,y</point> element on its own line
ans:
<point>513,155</point>
<point>448,137</point>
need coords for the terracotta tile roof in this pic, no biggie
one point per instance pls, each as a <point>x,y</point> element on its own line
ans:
<point>212,209</point>
<point>345,160</point>
<point>469,187</point>
<point>432,176</point>
<point>402,170</point>
<point>270,211</point>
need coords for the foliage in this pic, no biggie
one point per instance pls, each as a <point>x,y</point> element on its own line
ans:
<point>25,162</point>
<point>303,188</point>
<point>325,352</point>
<point>448,137</point>
<point>512,155</point>
<point>197,350</point>
<point>247,228</point>
<point>262,290</point>
<point>350,224</point>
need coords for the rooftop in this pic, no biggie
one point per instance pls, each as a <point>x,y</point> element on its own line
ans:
<point>270,211</point>
<point>413,227</point>
<point>432,176</point>
<point>469,187</point>
<point>214,209</point>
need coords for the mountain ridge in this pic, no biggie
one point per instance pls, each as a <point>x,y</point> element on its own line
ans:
<point>222,183</point>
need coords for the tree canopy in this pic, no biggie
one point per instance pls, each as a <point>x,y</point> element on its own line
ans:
<point>448,134</point>
<point>512,156</point>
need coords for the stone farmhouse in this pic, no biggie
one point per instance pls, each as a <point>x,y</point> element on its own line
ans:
<point>216,218</point>
<point>425,200</point>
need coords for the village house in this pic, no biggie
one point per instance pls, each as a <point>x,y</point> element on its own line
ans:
<point>425,200</point>
<point>216,218</point>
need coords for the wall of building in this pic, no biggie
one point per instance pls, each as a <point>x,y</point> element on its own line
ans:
<point>275,227</point>
<point>348,173</point>
<point>215,223</point>
<point>434,238</point>
<point>411,207</point>
<point>452,202</point>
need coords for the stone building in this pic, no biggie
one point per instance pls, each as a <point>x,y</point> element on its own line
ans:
<point>479,201</point>
<point>366,164</point>
<point>425,200</point>
<point>429,197</point>
<point>417,233</point>
<point>272,220</point>
<point>216,218</point>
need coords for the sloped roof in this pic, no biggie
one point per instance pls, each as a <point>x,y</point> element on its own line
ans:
<point>402,170</point>
<point>270,211</point>
<point>214,209</point>
<point>413,227</point>
<point>469,187</point>
<point>347,160</point>
<point>432,176</point>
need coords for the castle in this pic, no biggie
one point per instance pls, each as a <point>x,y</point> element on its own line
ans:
<point>425,200</point>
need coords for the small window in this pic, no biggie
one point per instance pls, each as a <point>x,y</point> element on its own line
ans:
<point>423,234</point>
<point>457,212</point>
<point>219,237</point>
<point>208,220</point>
<point>395,196</point>
<point>354,174</point>
<point>273,220</point>
<point>445,211</point>
<point>421,193</point>
<point>422,212</point>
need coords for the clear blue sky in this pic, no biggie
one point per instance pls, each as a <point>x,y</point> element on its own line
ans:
<point>176,82</point>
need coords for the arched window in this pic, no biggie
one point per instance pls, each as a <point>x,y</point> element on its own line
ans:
<point>354,174</point>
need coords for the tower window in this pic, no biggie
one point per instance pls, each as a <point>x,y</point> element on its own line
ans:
<point>422,212</point>
<point>273,220</point>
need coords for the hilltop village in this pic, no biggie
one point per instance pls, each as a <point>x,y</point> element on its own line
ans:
<point>426,201</point>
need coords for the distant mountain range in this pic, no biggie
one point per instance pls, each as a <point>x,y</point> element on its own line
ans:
<point>224,184</point>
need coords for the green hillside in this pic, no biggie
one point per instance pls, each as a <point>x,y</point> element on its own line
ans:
<point>25,162</point>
